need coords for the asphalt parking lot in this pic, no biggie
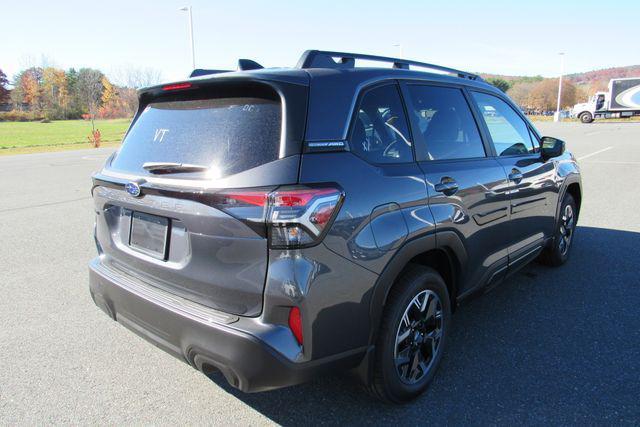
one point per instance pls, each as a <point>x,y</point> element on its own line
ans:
<point>550,346</point>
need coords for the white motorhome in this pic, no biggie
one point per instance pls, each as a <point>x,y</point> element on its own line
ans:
<point>622,100</point>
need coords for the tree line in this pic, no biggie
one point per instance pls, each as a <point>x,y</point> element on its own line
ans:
<point>55,94</point>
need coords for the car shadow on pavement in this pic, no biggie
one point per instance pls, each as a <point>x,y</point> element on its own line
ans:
<point>547,346</point>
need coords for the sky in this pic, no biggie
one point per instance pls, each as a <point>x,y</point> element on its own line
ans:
<point>501,37</point>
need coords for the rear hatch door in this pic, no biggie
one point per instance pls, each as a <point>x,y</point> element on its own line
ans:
<point>179,206</point>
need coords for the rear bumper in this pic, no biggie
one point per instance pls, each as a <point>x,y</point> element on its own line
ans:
<point>253,356</point>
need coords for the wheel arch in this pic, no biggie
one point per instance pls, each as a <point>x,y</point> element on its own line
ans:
<point>429,250</point>
<point>573,186</point>
<point>443,252</point>
<point>576,192</point>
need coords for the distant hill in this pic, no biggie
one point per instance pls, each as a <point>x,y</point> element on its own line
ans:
<point>596,79</point>
<point>605,74</point>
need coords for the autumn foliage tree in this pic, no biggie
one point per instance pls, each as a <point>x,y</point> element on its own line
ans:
<point>29,83</point>
<point>55,93</point>
<point>519,93</point>
<point>544,95</point>
<point>116,101</point>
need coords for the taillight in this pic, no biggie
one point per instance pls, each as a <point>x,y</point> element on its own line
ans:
<point>295,324</point>
<point>299,216</point>
<point>293,216</point>
<point>177,86</point>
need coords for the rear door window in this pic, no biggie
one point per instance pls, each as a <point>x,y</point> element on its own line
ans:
<point>445,122</point>
<point>380,133</point>
<point>228,135</point>
<point>509,132</point>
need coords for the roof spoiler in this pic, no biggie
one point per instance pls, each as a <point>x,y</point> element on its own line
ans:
<point>202,72</point>
<point>248,64</point>
<point>345,60</point>
<point>243,65</point>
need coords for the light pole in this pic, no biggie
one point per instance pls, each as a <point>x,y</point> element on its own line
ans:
<point>556,117</point>
<point>193,51</point>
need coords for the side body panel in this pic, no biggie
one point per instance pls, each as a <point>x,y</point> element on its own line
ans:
<point>384,206</point>
<point>478,211</point>
<point>532,203</point>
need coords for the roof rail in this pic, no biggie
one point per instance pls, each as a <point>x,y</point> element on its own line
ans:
<point>325,59</point>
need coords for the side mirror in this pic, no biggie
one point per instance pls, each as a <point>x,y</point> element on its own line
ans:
<point>552,147</point>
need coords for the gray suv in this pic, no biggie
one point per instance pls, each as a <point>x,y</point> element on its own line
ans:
<point>277,224</point>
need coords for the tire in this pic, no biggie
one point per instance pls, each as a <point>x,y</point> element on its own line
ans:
<point>586,117</point>
<point>413,333</point>
<point>560,249</point>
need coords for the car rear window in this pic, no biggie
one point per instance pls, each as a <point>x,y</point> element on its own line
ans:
<point>228,135</point>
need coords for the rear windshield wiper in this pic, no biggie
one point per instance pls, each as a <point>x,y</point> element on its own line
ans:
<point>171,167</point>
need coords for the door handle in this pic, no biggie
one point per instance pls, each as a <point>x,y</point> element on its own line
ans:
<point>515,176</point>
<point>447,186</point>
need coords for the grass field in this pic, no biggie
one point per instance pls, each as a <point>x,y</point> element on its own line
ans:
<point>35,136</point>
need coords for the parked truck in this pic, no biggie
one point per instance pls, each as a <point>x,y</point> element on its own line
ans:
<point>622,100</point>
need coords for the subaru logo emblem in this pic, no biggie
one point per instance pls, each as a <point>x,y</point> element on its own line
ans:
<point>132,188</point>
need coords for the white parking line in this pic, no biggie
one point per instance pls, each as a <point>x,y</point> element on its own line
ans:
<point>594,153</point>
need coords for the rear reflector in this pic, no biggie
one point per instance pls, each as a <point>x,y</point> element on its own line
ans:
<point>177,86</point>
<point>255,198</point>
<point>295,323</point>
